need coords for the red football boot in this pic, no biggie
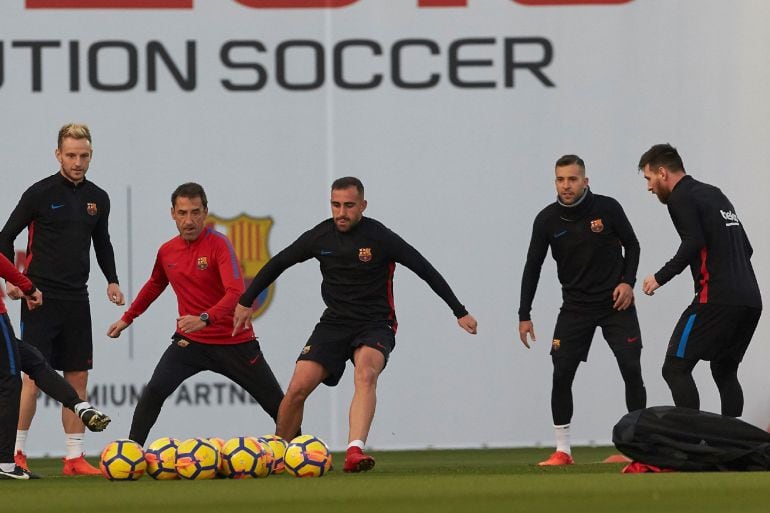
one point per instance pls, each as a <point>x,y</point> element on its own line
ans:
<point>20,459</point>
<point>79,467</point>
<point>556,459</point>
<point>357,461</point>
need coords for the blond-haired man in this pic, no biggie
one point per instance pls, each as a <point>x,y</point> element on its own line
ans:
<point>63,214</point>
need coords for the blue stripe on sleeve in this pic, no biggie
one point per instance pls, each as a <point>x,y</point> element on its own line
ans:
<point>233,258</point>
<point>685,335</point>
<point>8,346</point>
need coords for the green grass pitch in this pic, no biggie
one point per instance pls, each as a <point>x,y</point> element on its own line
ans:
<point>468,481</point>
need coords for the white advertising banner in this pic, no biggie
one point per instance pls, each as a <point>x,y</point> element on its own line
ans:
<point>452,113</point>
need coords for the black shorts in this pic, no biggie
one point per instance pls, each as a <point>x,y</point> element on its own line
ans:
<point>713,332</point>
<point>332,345</point>
<point>61,330</point>
<point>575,328</point>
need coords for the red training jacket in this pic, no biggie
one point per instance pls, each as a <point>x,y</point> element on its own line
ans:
<point>206,277</point>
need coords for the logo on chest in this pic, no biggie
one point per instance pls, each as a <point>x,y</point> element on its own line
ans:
<point>203,263</point>
<point>91,209</point>
<point>597,225</point>
<point>365,254</point>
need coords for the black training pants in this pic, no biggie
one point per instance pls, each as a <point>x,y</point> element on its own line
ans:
<point>242,363</point>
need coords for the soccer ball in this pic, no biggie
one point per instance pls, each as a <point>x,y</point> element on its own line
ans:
<point>278,447</point>
<point>216,442</point>
<point>244,457</point>
<point>307,456</point>
<point>268,458</point>
<point>122,460</point>
<point>161,458</point>
<point>219,443</point>
<point>197,458</point>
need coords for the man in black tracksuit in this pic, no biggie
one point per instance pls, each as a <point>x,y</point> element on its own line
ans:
<point>358,256</point>
<point>719,323</point>
<point>63,214</point>
<point>588,235</point>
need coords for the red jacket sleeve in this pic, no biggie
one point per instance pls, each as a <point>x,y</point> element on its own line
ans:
<point>150,291</point>
<point>11,274</point>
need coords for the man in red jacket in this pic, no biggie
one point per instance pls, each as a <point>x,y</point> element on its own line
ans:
<point>204,272</point>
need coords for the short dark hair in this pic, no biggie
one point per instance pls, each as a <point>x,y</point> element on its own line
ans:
<point>348,181</point>
<point>189,190</point>
<point>568,160</point>
<point>662,155</point>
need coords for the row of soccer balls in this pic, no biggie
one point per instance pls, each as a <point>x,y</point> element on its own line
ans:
<point>206,458</point>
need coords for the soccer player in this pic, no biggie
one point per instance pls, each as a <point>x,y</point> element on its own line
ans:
<point>719,323</point>
<point>202,268</point>
<point>15,357</point>
<point>63,214</point>
<point>597,255</point>
<point>358,256</point>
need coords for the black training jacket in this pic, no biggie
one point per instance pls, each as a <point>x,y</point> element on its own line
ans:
<point>62,219</point>
<point>714,245</point>
<point>587,241</point>
<point>357,269</point>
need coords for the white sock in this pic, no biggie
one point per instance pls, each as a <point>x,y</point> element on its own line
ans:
<point>21,440</point>
<point>7,467</point>
<point>74,444</point>
<point>82,406</point>
<point>356,443</point>
<point>562,438</point>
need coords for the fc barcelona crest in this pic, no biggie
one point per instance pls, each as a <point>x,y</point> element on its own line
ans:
<point>203,263</point>
<point>597,225</point>
<point>91,209</point>
<point>365,254</point>
<point>248,235</point>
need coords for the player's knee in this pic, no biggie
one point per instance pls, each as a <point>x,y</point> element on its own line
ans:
<point>724,370</point>
<point>564,372</point>
<point>297,393</point>
<point>674,371</point>
<point>366,376</point>
<point>78,380</point>
<point>630,370</point>
<point>152,397</point>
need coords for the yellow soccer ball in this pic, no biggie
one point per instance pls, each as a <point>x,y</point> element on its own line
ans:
<point>278,447</point>
<point>219,443</point>
<point>243,457</point>
<point>122,460</point>
<point>307,456</point>
<point>197,458</point>
<point>161,458</point>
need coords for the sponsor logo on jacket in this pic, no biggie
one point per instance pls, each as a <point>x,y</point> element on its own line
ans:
<point>730,216</point>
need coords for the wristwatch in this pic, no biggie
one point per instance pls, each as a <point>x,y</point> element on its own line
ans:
<point>205,318</point>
